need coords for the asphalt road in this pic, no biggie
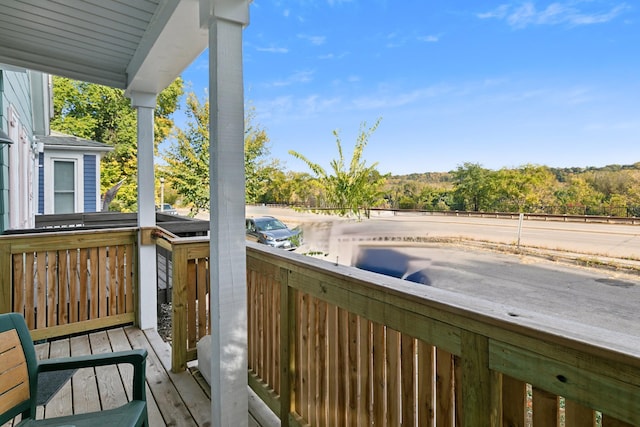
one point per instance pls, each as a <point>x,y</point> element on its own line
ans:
<point>400,246</point>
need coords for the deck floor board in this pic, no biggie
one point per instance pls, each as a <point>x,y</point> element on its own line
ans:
<point>172,399</point>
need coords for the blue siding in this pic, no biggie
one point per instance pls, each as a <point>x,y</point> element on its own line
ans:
<point>90,183</point>
<point>41,183</point>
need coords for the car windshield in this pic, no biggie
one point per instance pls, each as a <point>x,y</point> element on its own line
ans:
<point>269,224</point>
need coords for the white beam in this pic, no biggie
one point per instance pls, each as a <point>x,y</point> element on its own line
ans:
<point>145,104</point>
<point>228,303</point>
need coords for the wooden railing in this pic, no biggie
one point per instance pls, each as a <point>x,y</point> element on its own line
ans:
<point>333,345</point>
<point>65,282</point>
<point>189,260</point>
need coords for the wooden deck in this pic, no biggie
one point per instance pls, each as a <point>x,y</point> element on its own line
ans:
<point>173,399</point>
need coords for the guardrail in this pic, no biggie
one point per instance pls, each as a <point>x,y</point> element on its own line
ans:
<point>478,214</point>
<point>516,215</point>
<point>64,282</point>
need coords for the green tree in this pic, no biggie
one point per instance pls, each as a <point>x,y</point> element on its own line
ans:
<point>576,194</point>
<point>260,172</point>
<point>525,189</point>
<point>352,189</point>
<point>304,189</point>
<point>472,187</point>
<point>104,114</point>
<point>188,158</point>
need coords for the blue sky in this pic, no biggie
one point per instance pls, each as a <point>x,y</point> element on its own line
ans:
<point>500,83</point>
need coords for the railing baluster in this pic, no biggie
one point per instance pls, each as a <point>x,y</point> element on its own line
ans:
<point>408,376</point>
<point>577,415</point>
<point>30,272</point>
<point>444,389</point>
<point>288,338</point>
<point>73,286</point>
<point>121,279</point>
<point>103,272</point>
<point>426,384</point>
<point>18,284</point>
<point>545,408</point>
<point>203,291</point>
<point>112,281</point>
<point>179,279</point>
<point>63,287</point>
<point>352,370</point>
<point>85,284</point>
<point>52,285</point>
<point>514,401</point>
<point>302,398</point>
<point>192,336</point>
<point>394,377</point>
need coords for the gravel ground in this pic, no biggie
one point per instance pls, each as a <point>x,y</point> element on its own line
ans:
<point>164,322</point>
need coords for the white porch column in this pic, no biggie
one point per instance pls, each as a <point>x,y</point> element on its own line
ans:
<point>228,305</point>
<point>145,104</point>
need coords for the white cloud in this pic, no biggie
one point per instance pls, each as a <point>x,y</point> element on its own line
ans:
<point>314,40</point>
<point>429,39</point>
<point>295,78</point>
<point>290,107</point>
<point>333,56</point>
<point>273,49</point>
<point>392,99</point>
<point>499,12</point>
<point>314,104</point>
<point>338,2</point>
<point>568,13</point>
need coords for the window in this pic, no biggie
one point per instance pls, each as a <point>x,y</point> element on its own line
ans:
<point>64,193</point>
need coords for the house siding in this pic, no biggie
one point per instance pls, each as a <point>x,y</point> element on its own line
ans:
<point>15,94</point>
<point>90,176</point>
<point>4,187</point>
<point>4,164</point>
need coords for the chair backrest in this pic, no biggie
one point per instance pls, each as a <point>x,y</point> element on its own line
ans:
<point>18,368</point>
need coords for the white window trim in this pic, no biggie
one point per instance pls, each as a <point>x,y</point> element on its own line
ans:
<point>49,159</point>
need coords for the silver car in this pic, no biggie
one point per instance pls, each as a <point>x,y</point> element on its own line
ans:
<point>167,209</point>
<point>271,231</point>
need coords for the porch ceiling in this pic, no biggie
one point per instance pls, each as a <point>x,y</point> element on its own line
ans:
<point>140,45</point>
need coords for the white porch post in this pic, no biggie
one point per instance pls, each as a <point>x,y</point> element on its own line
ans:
<point>145,104</point>
<point>228,306</point>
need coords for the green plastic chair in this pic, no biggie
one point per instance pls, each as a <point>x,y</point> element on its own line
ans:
<point>19,369</point>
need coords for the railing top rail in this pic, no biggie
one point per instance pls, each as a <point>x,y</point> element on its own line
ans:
<point>480,316</point>
<point>168,239</point>
<point>64,239</point>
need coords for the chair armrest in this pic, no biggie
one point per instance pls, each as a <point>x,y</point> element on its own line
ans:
<point>136,358</point>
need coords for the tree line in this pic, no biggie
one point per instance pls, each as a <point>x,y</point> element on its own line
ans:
<point>611,190</point>
<point>349,186</point>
